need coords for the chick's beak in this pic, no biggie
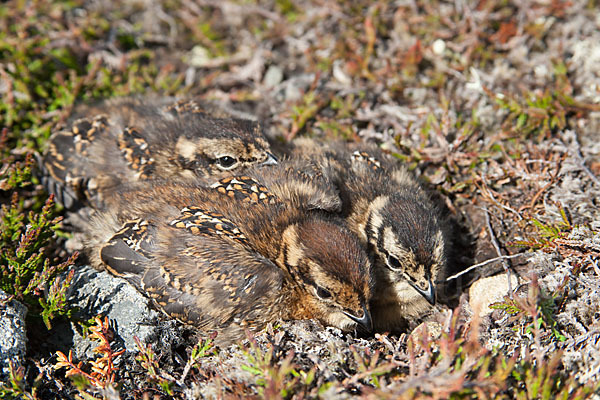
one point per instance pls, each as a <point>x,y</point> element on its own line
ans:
<point>365,320</point>
<point>428,293</point>
<point>271,160</point>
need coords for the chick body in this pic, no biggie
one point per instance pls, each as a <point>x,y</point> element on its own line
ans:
<point>124,141</point>
<point>395,219</point>
<point>218,257</point>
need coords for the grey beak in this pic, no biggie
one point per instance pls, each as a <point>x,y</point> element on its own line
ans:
<point>429,294</point>
<point>271,160</point>
<point>365,320</point>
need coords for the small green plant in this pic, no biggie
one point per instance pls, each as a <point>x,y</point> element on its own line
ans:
<point>202,349</point>
<point>288,9</point>
<point>275,379</point>
<point>16,387</point>
<point>368,367</point>
<point>544,314</point>
<point>339,126</point>
<point>539,115</point>
<point>25,267</point>
<point>545,381</point>
<point>547,233</point>
<point>14,174</point>
<point>305,111</point>
<point>148,360</point>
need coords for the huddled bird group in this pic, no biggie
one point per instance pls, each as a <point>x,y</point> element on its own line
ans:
<point>188,203</point>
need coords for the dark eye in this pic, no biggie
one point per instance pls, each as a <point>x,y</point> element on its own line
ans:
<point>226,161</point>
<point>323,293</point>
<point>393,263</point>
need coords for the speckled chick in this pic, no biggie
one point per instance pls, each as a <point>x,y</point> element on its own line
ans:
<point>386,207</point>
<point>297,181</point>
<point>128,140</point>
<point>223,263</point>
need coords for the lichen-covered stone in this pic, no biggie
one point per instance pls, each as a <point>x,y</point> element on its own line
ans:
<point>95,293</point>
<point>13,337</point>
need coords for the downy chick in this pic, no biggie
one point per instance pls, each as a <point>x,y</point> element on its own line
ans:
<point>386,207</point>
<point>222,263</point>
<point>124,141</point>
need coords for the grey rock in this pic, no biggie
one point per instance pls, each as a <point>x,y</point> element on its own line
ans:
<point>273,76</point>
<point>198,57</point>
<point>13,338</point>
<point>130,313</point>
<point>492,289</point>
<point>293,88</point>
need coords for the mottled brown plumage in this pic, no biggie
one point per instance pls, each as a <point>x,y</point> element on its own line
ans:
<point>124,141</point>
<point>225,262</point>
<point>299,182</point>
<point>386,207</point>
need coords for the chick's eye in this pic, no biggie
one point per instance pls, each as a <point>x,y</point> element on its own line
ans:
<point>323,293</point>
<point>393,263</point>
<point>226,161</point>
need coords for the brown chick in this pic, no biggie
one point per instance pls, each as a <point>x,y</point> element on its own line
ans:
<point>297,181</point>
<point>222,263</point>
<point>128,140</point>
<point>386,207</point>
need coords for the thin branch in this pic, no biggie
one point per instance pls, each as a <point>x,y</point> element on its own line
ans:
<point>486,262</point>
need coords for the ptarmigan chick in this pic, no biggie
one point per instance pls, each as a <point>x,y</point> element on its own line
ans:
<point>124,141</point>
<point>234,255</point>
<point>386,207</point>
